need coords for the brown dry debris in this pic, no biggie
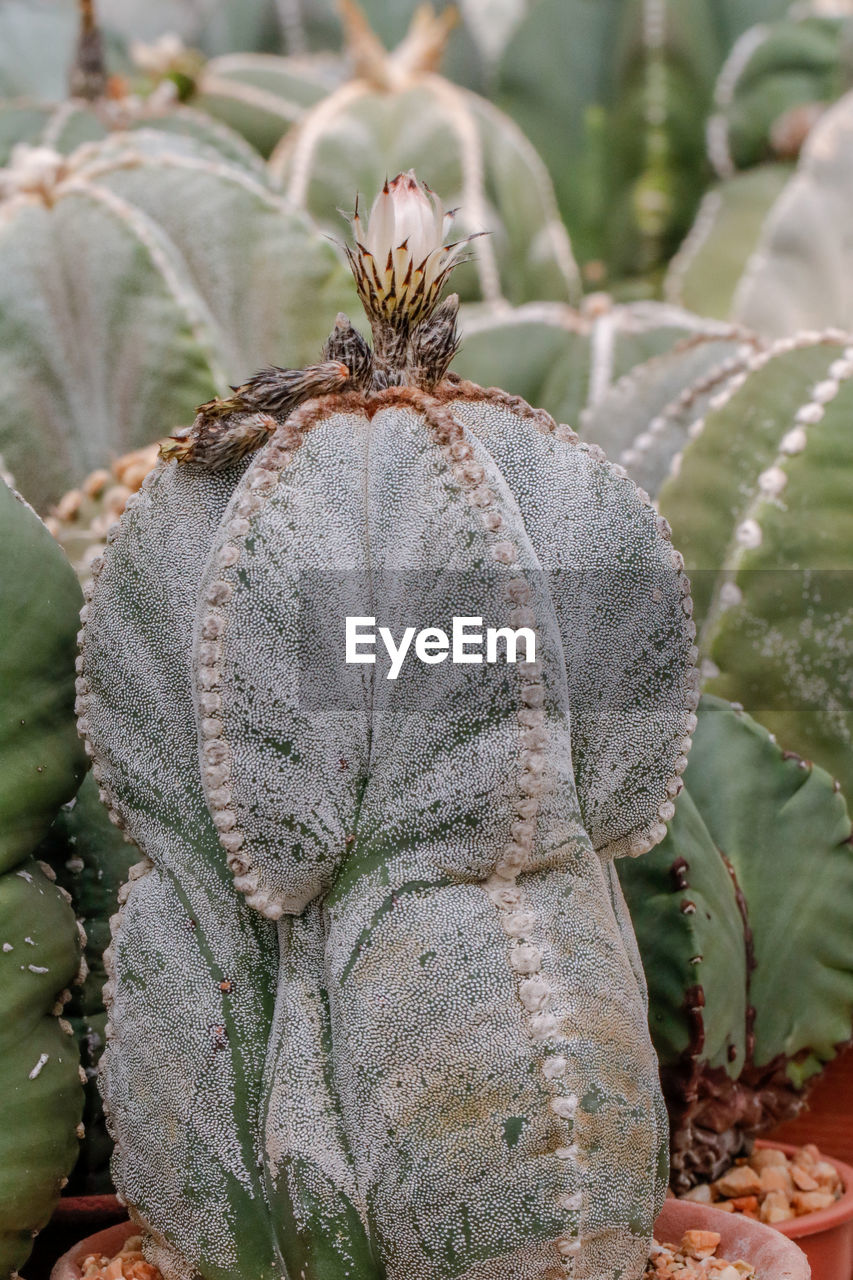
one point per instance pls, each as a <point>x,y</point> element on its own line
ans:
<point>772,1186</point>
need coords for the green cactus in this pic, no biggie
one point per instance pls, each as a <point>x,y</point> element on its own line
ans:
<point>41,765</point>
<point>91,860</point>
<point>100,105</point>
<point>135,282</point>
<point>644,420</point>
<point>797,276</point>
<point>435,1062</point>
<point>760,505</point>
<point>262,96</point>
<point>398,112</point>
<point>776,82</point>
<point>705,273</point>
<point>215,27</point>
<point>569,361</point>
<point>750,988</point>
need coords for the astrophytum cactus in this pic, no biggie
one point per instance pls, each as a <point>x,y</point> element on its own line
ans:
<point>570,361</point>
<point>99,104</point>
<point>41,1097</point>
<point>777,81</point>
<point>750,989</point>
<point>644,419</point>
<point>759,500</point>
<point>134,282</point>
<point>768,248</point>
<point>396,111</point>
<point>375,1002</point>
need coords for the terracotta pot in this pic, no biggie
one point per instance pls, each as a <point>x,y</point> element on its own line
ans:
<point>774,1257</point>
<point>109,1242</point>
<point>826,1237</point>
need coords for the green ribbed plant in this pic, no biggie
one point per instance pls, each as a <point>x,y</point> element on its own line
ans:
<point>134,282</point>
<point>396,111</point>
<point>90,859</point>
<point>579,364</point>
<point>99,105</point>
<point>776,82</point>
<point>750,988</point>
<point>375,1004</point>
<point>41,764</point>
<point>759,501</point>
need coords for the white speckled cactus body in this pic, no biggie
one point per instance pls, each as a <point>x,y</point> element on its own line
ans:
<point>413,1045</point>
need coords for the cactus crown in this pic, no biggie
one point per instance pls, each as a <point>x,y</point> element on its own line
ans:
<point>400,263</point>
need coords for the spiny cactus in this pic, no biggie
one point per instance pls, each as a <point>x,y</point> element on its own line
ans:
<point>397,112</point>
<point>134,282</point>
<point>436,1063</point>
<point>41,765</point>
<point>91,860</point>
<point>776,83</point>
<point>568,361</point>
<point>750,988</point>
<point>760,505</point>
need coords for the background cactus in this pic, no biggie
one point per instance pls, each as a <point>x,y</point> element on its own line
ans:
<point>186,269</point>
<point>705,273</point>
<point>798,277</point>
<point>759,506</point>
<point>777,81</point>
<point>398,112</point>
<point>750,989</point>
<point>41,764</point>
<point>569,361</point>
<point>497,969</point>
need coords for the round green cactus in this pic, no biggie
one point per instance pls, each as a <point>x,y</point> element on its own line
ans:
<point>797,276</point>
<point>759,502</point>
<point>569,361</point>
<point>750,989</point>
<point>376,936</point>
<point>398,112</point>
<point>136,281</point>
<point>776,82</point>
<point>41,765</point>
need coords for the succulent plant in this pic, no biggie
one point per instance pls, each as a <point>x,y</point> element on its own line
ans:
<point>134,282</point>
<point>91,860</point>
<point>568,361</point>
<point>82,518</point>
<point>645,418</point>
<point>375,1003</point>
<point>759,501</point>
<point>776,83</point>
<point>397,111</point>
<point>750,988</point>
<point>100,104</point>
<point>215,26</point>
<point>705,273</point>
<point>41,765</point>
<point>797,278</point>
